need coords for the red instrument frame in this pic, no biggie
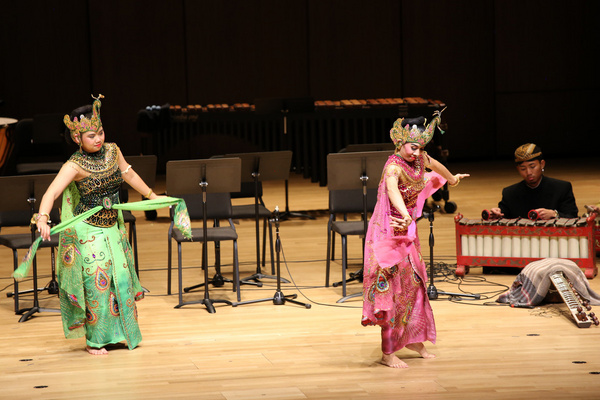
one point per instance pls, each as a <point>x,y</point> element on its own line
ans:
<point>588,265</point>
<point>597,238</point>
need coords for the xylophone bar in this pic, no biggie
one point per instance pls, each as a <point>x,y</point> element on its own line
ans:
<point>517,242</point>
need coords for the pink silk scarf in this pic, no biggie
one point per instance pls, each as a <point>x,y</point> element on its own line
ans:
<point>395,276</point>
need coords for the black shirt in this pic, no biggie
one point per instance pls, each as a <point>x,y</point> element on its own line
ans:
<point>553,194</point>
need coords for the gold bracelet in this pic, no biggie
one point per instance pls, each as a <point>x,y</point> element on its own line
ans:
<point>35,218</point>
<point>456,184</point>
<point>149,194</point>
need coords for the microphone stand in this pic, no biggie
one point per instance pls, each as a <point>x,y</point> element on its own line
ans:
<point>278,298</point>
<point>432,291</point>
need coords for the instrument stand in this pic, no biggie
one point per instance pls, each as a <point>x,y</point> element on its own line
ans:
<point>263,166</point>
<point>258,275</point>
<point>278,298</point>
<point>432,291</point>
<point>224,177</point>
<point>207,301</point>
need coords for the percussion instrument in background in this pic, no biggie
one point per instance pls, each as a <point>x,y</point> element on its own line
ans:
<point>517,242</point>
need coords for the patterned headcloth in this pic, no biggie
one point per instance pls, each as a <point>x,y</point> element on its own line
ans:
<point>77,127</point>
<point>402,134</point>
<point>528,152</point>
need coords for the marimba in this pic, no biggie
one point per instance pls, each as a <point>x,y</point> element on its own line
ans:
<point>517,242</point>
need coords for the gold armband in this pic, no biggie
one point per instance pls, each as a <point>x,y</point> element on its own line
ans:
<point>456,184</point>
<point>35,218</point>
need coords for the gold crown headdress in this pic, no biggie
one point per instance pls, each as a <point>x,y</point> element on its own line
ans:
<point>527,152</point>
<point>77,127</point>
<point>412,134</point>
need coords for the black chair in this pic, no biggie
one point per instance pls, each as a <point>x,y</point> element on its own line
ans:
<point>145,167</point>
<point>219,208</point>
<point>345,202</point>
<point>22,241</point>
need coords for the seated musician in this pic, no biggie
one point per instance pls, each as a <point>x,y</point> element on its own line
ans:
<point>549,197</point>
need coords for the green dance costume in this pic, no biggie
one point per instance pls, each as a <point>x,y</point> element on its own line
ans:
<point>95,269</point>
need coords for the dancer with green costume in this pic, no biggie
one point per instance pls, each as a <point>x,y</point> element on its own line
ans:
<point>95,269</point>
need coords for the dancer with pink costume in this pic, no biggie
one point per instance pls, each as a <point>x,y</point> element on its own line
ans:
<point>395,276</point>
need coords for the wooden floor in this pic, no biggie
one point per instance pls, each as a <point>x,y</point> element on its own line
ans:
<point>266,351</point>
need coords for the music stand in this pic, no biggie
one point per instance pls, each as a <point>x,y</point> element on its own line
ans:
<point>351,171</point>
<point>264,166</point>
<point>221,175</point>
<point>19,195</point>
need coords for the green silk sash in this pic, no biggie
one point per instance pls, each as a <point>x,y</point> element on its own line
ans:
<point>181,218</point>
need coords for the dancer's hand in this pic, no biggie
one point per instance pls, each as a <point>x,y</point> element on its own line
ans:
<point>43,229</point>
<point>400,223</point>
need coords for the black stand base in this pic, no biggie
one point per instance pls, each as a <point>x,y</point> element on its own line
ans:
<point>350,296</point>
<point>27,313</point>
<point>257,276</point>
<point>208,303</point>
<point>287,214</point>
<point>433,294</point>
<point>218,281</point>
<point>51,288</point>
<point>278,299</point>
<point>354,276</point>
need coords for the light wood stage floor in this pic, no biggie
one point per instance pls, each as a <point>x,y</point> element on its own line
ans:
<point>266,351</point>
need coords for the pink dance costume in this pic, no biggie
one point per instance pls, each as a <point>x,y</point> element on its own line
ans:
<point>395,275</point>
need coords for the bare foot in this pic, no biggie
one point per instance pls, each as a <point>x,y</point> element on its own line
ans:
<point>390,360</point>
<point>420,348</point>
<point>96,352</point>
